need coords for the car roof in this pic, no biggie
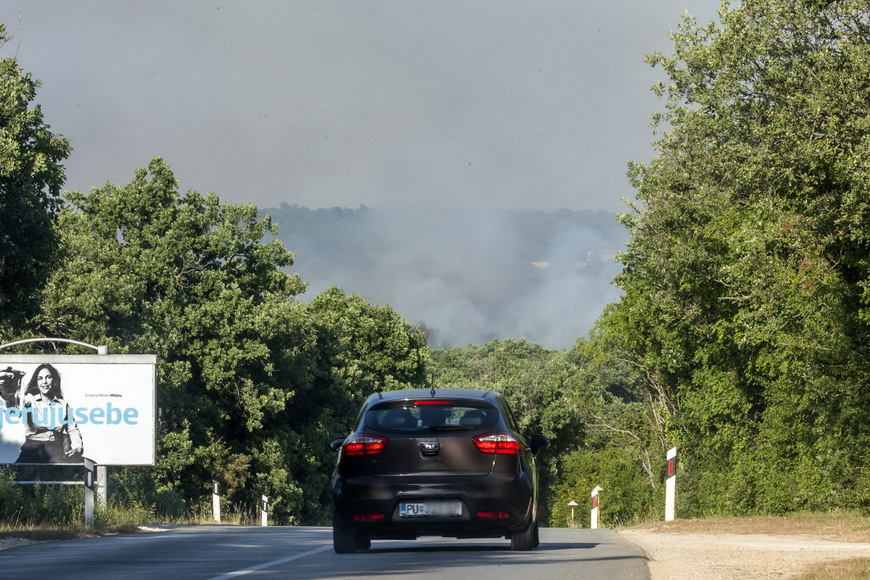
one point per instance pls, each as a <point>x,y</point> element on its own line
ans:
<point>432,393</point>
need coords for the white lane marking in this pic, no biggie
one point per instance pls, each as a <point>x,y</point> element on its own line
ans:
<point>272,563</point>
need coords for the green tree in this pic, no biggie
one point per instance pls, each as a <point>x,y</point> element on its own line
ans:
<point>373,347</point>
<point>592,406</point>
<point>188,278</point>
<point>745,282</point>
<point>31,177</point>
<point>361,349</point>
<point>539,384</point>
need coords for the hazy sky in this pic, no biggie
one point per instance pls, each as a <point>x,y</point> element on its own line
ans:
<point>534,104</point>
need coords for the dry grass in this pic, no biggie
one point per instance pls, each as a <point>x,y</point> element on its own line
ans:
<point>843,527</point>
<point>852,569</point>
<point>116,520</point>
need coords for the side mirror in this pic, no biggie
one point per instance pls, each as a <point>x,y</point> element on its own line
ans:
<point>538,442</point>
<point>336,444</point>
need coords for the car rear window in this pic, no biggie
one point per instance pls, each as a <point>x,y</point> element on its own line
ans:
<point>428,415</point>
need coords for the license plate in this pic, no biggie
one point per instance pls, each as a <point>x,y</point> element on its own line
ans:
<point>424,509</point>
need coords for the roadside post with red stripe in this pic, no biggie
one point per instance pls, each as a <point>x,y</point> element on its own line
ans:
<point>594,519</point>
<point>671,484</point>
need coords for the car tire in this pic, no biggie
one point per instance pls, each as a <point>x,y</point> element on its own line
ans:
<point>343,540</point>
<point>524,538</point>
<point>537,541</point>
<point>362,542</point>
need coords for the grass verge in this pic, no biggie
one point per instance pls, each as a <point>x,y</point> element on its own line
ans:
<point>851,569</point>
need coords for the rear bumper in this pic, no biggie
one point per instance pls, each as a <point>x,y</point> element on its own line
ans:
<point>380,496</point>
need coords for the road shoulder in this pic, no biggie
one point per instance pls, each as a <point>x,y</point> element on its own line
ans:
<point>709,556</point>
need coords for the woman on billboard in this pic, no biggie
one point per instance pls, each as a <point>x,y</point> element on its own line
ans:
<point>51,433</point>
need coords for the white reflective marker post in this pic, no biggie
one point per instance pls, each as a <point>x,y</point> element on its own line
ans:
<point>264,518</point>
<point>595,508</point>
<point>671,485</point>
<point>216,500</point>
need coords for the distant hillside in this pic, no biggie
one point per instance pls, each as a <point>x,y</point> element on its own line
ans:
<point>466,276</point>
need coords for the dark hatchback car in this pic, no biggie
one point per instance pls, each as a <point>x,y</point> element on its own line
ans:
<point>450,462</point>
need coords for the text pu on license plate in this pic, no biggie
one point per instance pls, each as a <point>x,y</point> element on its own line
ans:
<point>422,509</point>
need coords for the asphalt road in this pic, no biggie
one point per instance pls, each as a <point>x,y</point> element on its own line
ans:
<point>224,552</point>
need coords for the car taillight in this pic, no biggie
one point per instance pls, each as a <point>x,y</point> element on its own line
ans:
<point>364,444</point>
<point>368,517</point>
<point>500,443</point>
<point>493,515</point>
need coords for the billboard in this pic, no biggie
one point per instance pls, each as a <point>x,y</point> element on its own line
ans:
<point>59,409</point>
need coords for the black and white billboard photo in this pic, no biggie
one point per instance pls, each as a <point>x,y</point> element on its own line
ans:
<point>59,409</point>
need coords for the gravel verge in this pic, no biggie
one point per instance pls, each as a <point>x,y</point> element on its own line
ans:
<point>702,556</point>
<point>12,542</point>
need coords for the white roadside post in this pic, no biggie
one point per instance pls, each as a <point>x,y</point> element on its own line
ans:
<point>595,508</point>
<point>572,504</point>
<point>216,500</point>
<point>264,518</point>
<point>671,485</point>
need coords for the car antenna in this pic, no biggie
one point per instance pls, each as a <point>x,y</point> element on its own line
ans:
<point>432,384</point>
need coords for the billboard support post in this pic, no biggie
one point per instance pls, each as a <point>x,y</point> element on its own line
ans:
<point>101,485</point>
<point>90,476</point>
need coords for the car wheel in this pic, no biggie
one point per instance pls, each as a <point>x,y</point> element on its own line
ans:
<point>537,541</point>
<point>524,538</point>
<point>362,542</point>
<point>343,540</point>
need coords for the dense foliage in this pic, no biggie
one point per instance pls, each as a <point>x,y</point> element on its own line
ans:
<point>31,175</point>
<point>590,406</point>
<point>746,280</point>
